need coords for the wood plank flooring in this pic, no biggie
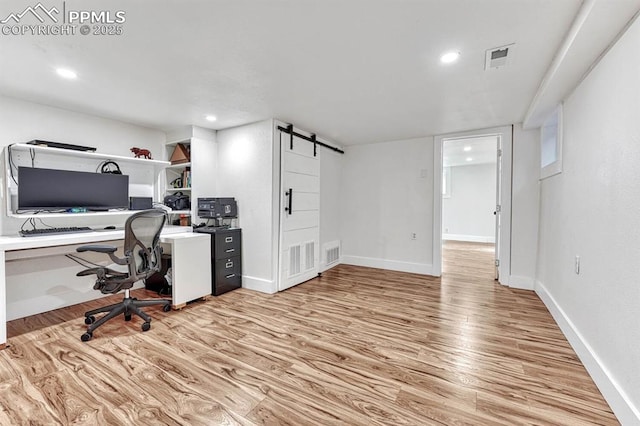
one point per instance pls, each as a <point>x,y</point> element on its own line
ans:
<point>358,346</point>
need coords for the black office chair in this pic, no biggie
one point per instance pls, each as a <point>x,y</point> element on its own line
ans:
<point>142,256</point>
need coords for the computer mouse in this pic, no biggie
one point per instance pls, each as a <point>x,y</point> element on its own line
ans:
<point>110,227</point>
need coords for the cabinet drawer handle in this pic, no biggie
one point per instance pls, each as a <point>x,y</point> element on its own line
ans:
<point>230,276</point>
<point>229,250</point>
<point>228,240</point>
<point>228,265</point>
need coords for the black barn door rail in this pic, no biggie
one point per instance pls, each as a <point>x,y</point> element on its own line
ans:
<point>312,139</point>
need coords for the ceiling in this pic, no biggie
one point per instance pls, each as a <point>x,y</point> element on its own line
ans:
<point>470,151</point>
<point>352,71</point>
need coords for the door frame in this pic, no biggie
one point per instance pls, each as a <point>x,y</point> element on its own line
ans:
<point>506,135</point>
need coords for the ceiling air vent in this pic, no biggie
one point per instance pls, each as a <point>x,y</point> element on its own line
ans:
<point>498,56</point>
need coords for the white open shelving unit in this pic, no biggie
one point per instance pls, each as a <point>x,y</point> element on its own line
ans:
<point>174,171</point>
<point>144,174</point>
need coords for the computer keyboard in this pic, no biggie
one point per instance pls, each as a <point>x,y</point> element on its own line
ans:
<point>54,231</point>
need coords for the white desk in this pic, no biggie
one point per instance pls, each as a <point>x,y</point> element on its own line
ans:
<point>187,249</point>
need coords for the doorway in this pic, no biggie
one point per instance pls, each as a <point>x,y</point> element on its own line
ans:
<point>502,207</point>
<point>469,199</point>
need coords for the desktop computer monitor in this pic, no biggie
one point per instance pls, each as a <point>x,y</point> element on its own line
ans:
<point>49,189</point>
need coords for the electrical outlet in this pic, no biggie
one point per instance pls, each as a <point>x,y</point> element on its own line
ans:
<point>577,264</point>
<point>413,235</point>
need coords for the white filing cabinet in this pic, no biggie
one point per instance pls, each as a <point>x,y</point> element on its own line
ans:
<point>190,266</point>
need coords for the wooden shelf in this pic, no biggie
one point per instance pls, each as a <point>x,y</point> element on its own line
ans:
<point>178,189</point>
<point>188,212</point>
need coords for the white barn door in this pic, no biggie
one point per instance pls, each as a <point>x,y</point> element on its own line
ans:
<point>299,211</point>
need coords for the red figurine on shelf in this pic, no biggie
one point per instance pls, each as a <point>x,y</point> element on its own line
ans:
<point>141,152</point>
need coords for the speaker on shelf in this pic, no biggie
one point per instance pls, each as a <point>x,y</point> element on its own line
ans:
<point>140,203</point>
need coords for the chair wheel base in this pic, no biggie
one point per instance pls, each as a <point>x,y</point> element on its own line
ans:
<point>127,317</point>
<point>166,308</point>
<point>86,336</point>
<point>146,326</point>
<point>90,320</point>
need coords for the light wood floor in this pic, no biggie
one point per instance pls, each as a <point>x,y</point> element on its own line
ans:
<point>358,346</point>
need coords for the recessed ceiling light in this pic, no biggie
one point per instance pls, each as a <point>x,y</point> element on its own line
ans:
<point>211,118</point>
<point>67,73</point>
<point>467,148</point>
<point>469,159</point>
<point>449,57</point>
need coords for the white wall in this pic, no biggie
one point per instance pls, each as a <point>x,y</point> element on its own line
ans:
<point>592,209</point>
<point>524,208</point>
<point>245,171</point>
<point>467,215</point>
<point>47,283</point>
<point>387,195</point>
<point>23,121</point>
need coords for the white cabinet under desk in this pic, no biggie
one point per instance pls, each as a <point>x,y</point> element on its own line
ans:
<point>49,283</point>
<point>190,275</point>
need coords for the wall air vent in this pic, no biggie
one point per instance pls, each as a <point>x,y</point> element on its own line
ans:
<point>332,253</point>
<point>498,57</point>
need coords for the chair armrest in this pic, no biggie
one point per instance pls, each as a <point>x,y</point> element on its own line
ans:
<point>100,248</point>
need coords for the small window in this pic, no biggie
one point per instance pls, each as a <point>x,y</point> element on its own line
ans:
<point>446,182</point>
<point>551,144</point>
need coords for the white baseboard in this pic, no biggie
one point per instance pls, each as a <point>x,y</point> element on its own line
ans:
<point>324,267</point>
<point>259,284</point>
<point>618,400</point>
<point>394,265</point>
<point>523,283</point>
<point>469,238</point>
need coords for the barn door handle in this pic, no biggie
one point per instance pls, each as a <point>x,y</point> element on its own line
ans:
<point>289,208</point>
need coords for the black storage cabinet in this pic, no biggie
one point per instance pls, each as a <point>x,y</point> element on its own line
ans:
<point>226,263</point>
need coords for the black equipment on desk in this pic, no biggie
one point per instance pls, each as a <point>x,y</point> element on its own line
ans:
<point>214,208</point>
<point>140,203</point>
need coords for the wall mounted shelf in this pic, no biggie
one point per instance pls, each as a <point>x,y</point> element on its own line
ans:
<point>143,174</point>
<point>158,164</point>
